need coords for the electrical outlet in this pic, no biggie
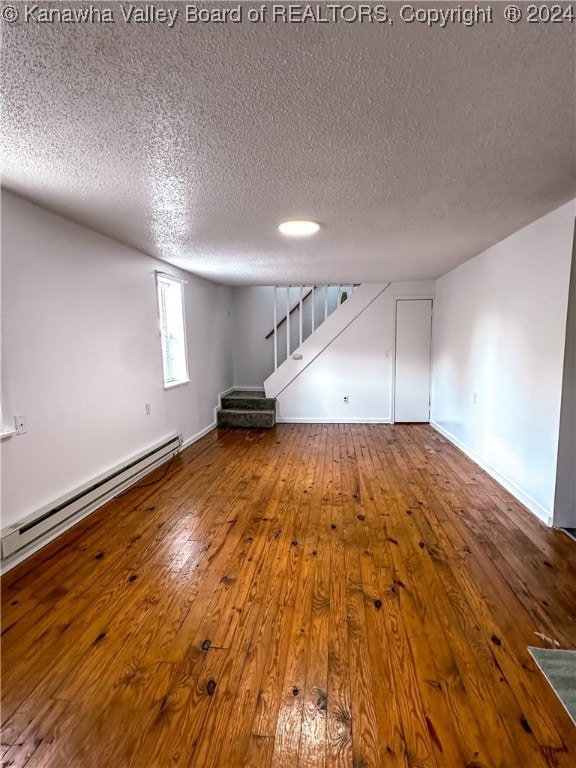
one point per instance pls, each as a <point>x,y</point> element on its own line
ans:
<point>475,399</point>
<point>148,409</point>
<point>20,423</point>
<point>345,399</point>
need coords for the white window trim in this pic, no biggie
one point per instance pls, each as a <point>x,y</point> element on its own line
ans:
<point>163,277</point>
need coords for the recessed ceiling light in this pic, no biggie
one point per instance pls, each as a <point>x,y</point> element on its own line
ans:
<point>298,228</point>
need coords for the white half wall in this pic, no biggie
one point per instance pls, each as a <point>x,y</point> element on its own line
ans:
<point>499,333</point>
<point>359,363</point>
<point>81,356</point>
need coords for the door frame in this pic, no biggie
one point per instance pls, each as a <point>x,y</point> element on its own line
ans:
<point>425,297</point>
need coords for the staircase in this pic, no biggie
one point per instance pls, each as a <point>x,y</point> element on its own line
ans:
<point>322,334</point>
<point>248,410</point>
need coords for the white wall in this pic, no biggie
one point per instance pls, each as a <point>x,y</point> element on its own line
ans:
<point>565,498</point>
<point>499,331</point>
<point>355,364</point>
<point>81,355</point>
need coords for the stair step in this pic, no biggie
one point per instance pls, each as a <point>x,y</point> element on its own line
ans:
<point>236,417</point>
<point>248,401</point>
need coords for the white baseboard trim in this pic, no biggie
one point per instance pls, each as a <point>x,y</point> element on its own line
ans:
<point>334,420</point>
<point>522,497</point>
<point>198,435</point>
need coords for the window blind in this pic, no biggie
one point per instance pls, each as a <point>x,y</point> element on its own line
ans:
<point>172,330</point>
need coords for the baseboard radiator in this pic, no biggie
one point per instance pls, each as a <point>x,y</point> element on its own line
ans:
<point>61,513</point>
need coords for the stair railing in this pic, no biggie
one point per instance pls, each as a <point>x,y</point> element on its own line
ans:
<point>330,297</point>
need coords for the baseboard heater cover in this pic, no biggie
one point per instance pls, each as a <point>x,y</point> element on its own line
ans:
<point>87,498</point>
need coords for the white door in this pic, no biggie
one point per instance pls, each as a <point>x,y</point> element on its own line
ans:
<point>413,340</point>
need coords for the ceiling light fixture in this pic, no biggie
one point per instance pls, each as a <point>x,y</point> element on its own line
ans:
<point>299,228</point>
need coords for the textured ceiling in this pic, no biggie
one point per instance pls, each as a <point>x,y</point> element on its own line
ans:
<point>415,147</point>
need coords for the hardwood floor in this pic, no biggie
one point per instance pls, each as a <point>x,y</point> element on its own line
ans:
<point>312,595</point>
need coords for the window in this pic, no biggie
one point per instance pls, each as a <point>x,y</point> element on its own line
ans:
<point>172,329</point>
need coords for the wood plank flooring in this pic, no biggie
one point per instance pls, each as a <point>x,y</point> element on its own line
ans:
<point>314,595</point>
